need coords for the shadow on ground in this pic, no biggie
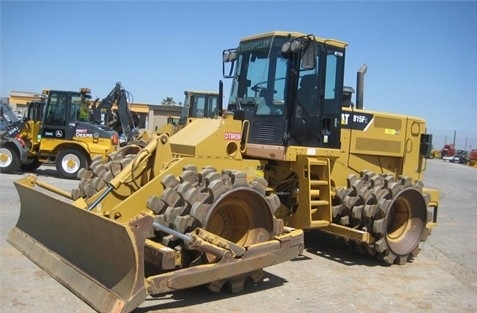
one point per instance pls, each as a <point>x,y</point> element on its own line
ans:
<point>200,295</point>
<point>335,249</point>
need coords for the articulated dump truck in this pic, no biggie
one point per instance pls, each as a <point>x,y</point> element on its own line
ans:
<point>223,198</point>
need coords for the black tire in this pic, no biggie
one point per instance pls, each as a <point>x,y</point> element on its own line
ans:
<point>9,160</point>
<point>30,165</point>
<point>69,162</point>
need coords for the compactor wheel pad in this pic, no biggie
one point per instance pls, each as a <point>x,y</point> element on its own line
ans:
<point>101,170</point>
<point>393,211</point>
<point>222,203</point>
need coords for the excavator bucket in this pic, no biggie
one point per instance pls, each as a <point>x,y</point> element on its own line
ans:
<point>100,260</point>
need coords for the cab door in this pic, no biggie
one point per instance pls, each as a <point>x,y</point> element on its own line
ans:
<point>55,113</point>
<point>316,113</point>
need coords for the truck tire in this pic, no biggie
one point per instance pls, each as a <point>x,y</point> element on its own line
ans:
<point>30,165</point>
<point>69,162</point>
<point>9,160</point>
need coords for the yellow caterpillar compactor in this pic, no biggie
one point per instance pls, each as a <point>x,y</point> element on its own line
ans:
<point>224,198</point>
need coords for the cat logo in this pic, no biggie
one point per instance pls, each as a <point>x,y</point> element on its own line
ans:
<point>58,133</point>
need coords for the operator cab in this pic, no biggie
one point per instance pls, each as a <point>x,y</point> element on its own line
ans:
<point>199,104</point>
<point>66,116</point>
<point>289,87</point>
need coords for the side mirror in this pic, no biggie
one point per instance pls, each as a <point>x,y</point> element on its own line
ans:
<point>309,48</point>
<point>308,60</point>
<point>229,56</point>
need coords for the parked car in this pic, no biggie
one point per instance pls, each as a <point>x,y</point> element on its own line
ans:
<point>460,157</point>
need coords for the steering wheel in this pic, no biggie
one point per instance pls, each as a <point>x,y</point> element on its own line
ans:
<point>262,90</point>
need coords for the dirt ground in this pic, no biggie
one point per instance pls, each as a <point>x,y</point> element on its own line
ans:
<point>327,277</point>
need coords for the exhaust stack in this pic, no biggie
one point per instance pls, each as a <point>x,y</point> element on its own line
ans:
<point>360,86</point>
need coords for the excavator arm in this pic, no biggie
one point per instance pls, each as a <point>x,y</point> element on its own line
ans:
<point>121,118</point>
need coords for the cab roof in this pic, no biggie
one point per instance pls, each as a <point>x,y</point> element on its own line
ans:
<point>329,41</point>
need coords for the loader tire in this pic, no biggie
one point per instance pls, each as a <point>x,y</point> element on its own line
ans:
<point>222,203</point>
<point>9,160</point>
<point>30,165</point>
<point>69,162</point>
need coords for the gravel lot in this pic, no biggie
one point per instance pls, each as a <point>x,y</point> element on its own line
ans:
<point>327,277</point>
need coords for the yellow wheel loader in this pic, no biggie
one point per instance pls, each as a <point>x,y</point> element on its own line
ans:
<point>224,198</point>
<point>57,130</point>
<point>197,104</point>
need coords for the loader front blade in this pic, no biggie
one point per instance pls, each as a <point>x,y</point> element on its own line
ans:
<point>98,259</point>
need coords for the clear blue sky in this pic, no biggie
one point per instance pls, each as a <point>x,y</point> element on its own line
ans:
<point>421,55</point>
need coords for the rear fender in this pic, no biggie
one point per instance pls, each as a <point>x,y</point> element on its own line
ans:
<point>22,151</point>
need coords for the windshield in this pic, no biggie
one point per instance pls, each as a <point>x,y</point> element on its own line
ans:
<point>260,78</point>
<point>79,109</point>
<point>199,105</point>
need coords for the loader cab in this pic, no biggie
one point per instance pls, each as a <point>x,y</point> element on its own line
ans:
<point>288,87</point>
<point>62,111</point>
<point>199,104</point>
<point>66,116</point>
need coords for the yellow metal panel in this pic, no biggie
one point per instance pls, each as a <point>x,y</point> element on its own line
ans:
<point>48,144</point>
<point>387,122</point>
<point>368,144</point>
<point>384,135</point>
<point>208,137</point>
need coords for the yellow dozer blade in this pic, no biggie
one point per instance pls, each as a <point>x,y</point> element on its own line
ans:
<point>100,260</point>
<point>103,261</point>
